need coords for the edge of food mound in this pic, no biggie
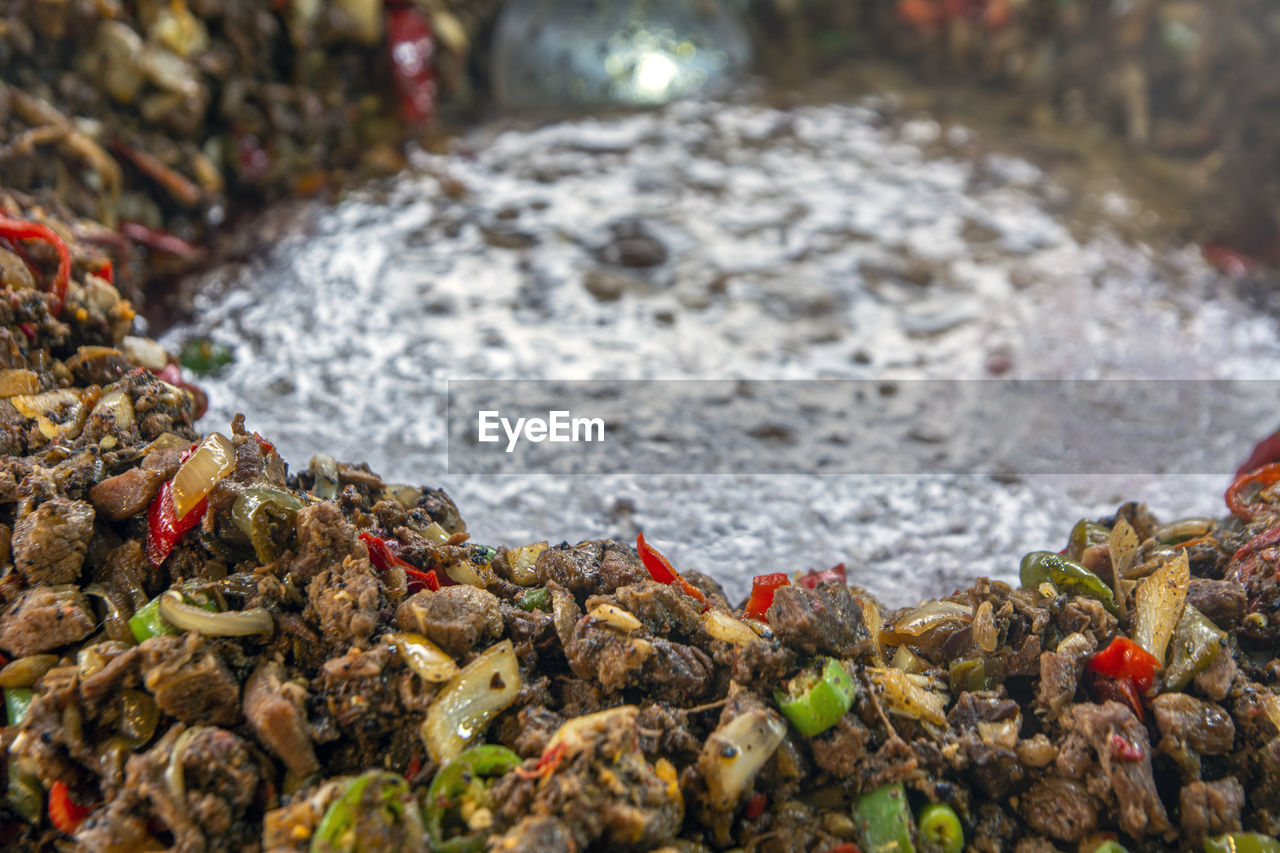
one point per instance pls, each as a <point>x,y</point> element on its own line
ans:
<point>204,650</point>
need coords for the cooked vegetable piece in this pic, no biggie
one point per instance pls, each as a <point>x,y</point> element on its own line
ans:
<point>883,819</point>
<point>905,697</point>
<point>1242,842</point>
<point>762,589</point>
<point>835,574</point>
<point>940,829</point>
<point>972,674</point>
<point>21,229</point>
<point>65,814</point>
<point>1065,574</point>
<point>1085,535</point>
<point>148,621</point>
<point>17,704</point>
<point>165,527</point>
<point>424,657</point>
<point>460,786</point>
<point>1158,603</point>
<point>212,459</point>
<point>728,628</point>
<point>661,570</point>
<point>232,623</point>
<point>26,796</point>
<point>1264,478</point>
<point>463,708</point>
<point>735,752</point>
<point>1196,643</point>
<point>268,516</point>
<point>1110,846</point>
<point>372,803</point>
<point>1125,660</point>
<point>535,599</point>
<point>817,698</point>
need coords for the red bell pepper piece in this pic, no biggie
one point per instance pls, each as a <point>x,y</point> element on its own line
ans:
<point>1125,660</point>
<point>835,574</point>
<point>661,570</point>
<point>756,805</point>
<point>164,528</point>
<point>762,589</point>
<point>1265,476</point>
<point>383,558</point>
<point>65,814</point>
<point>20,229</point>
<point>1264,453</point>
<point>412,46</point>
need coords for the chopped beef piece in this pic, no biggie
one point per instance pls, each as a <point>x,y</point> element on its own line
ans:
<point>536,726</point>
<point>1086,615</point>
<point>842,748</point>
<point>121,672</point>
<point>1222,601</point>
<point>1060,673</point>
<point>1200,725</point>
<point>1035,844</point>
<point>274,708</point>
<point>343,601</point>
<point>590,568</point>
<point>1059,808</point>
<point>670,671</point>
<point>1210,808</point>
<point>189,681</point>
<point>455,618</point>
<point>763,664</point>
<point>1119,743</point>
<point>1215,681</point>
<point>824,620</point>
<point>49,543</point>
<point>127,494</point>
<point>661,607</point>
<point>664,730</point>
<point>43,618</point>
<point>325,540</point>
<point>535,835</point>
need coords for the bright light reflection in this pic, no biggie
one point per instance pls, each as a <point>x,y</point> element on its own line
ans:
<point>654,74</point>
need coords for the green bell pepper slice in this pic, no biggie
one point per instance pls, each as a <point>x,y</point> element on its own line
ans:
<point>1242,842</point>
<point>940,829</point>
<point>17,704</point>
<point>1109,846</point>
<point>1067,575</point>
<point>535,599</point>
<point>883,818</point>
<point>1196,643</point>
<point>379,795</point>
<point>816,699</point>
<point>464,778</point>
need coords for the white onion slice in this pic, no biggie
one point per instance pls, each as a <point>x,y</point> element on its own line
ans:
<point>212,460</point>
<point>238,623</point>
<point>736,751</point>
<point>730,629</point>
<point>464,707</point>
<point>424,657</point>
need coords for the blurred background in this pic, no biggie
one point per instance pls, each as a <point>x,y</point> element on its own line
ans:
<point>332,207</point>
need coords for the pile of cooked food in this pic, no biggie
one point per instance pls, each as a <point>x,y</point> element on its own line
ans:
<point>207,650</point>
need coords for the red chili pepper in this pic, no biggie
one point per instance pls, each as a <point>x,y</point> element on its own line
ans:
<point>762,589</point>
<point>1264,453</point>
<point>1124,749</point>
<point>546,765</point>
<point>383,558</point>
<point>63,813</point>
<point>755,806</point>
<point>106,272</point>
<point>1125,660</point>
<point>20,229</point>
<point>267,447</point>
<point>661,570</point>
<point>28,329</point>
<point>420,580</point>
<point>845,847</point>
<point>1252,554</point>
<point>412,46</point>
<point>1265,476</point>
<point>164,528</point>
<point>835,574</point>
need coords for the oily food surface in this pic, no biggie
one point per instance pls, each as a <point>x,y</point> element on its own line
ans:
<point>208,651</point>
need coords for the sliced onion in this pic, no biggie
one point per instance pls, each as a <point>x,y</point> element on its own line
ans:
<point>26,671</point>
<point>115,622</point>
<point>736,751</point>
<point>233,623</point>
<point>116,405</point>
<point>212,460</point>
<point>1122,548</point>
<point>15,382</point>
<point>145,352</point>
<point>464,707</point>
<point>324,471</point>
<point>56,413</point>
<point>727,628</point>
<point>91,659</point>
<point>919,624</point>
<point>174,775</point>
<point>984,627</point>
<point>907,696</point>
<point>1159,601</point>
<point>573,733</point>
<point>524,563</point>
<point>1003,733</point>
<point>424,657</point>
<point>615,617</point>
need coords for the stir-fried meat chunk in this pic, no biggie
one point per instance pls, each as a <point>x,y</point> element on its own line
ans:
<point>1210,808</point>
<point>189,680</point>
<point>125,495</point>
<point>824,620</point>
<point>50,542</point>
<point>1059,808</point>
<point>1200,725</point>
<point>456,618</point>
<point>44,618</point>
<point>344,601</point>
<point>275,710</point>
<point>590,568</point>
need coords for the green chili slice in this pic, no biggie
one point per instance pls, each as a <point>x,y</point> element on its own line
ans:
<point>883,819</point>
<point>17,704</point>
<point>1085,535</point>
<point>268,516</point>
<point>535,599</point>
<point>940,829</point>
<point>465,778</point>
<point>1242,842</point>
<point>1110,846</point>
<point>379,796</point>
<point>147,621</point>
<point>1067,575</point>
<point>817,698</point>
